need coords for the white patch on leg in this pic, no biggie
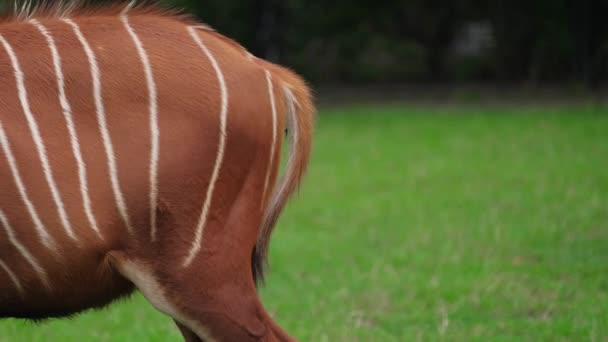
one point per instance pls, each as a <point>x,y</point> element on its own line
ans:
<point>153,291</point>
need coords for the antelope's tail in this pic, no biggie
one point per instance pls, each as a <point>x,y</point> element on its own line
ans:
<point>300,122</point>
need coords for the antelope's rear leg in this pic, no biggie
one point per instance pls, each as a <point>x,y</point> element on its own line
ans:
<point>217,307</point>
<point>215,296</point>
<point>189,335</point>
<point>213,293</point>
<point>143,276</point>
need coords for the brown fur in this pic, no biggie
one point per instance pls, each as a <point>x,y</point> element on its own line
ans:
<point>218,291</point>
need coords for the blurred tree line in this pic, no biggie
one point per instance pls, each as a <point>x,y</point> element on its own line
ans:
<point>421,40</point>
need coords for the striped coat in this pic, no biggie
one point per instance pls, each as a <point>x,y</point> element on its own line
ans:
<point>140,149</point>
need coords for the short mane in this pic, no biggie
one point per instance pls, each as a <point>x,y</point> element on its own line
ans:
<point>23,10</point>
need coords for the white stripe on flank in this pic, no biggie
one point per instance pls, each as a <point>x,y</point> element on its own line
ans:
<point>31,121</point>
<point>47,240</point>
<point>23,251</point>
<point>274,133</point>
<point>67,114</point>
<point>103,126</point>
<point>153,108</point>
<point>197,243</point>
<point>13,277</point>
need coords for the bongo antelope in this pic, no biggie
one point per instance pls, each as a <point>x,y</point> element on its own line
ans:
<point>140,149</point>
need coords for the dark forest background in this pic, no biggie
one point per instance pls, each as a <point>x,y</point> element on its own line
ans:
<point>384,41</point>
<point>421,41</point>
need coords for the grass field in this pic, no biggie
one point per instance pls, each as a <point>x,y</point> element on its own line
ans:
<point>427,224</point>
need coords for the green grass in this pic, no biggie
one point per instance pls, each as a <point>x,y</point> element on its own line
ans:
<point>421,224</point>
